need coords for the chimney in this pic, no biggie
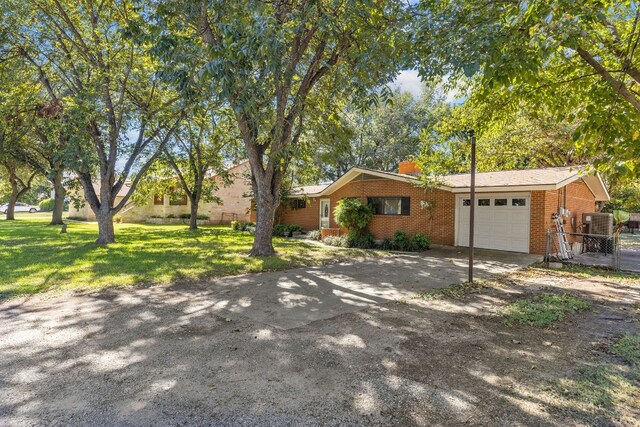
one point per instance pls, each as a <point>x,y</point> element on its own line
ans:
<point>408,168</point>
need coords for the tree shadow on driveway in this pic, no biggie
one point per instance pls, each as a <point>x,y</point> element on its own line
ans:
<point>197,355</point>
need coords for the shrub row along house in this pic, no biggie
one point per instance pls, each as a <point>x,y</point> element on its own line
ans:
<point>513,208</point>
<point>235,198</point>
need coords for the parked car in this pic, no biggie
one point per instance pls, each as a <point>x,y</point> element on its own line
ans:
<point>20,207</point>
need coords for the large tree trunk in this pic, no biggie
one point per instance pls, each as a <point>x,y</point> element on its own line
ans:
<point>106,233</point>
<point>101,207</point>
<point>58,198</point>
<point>11,208</point>
<point>193,222</point>
<point>266,207</point>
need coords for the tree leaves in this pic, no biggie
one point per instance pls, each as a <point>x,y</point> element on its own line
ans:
<point>573,59</point>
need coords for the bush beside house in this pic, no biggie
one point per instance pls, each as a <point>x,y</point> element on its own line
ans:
<point>400,242</point>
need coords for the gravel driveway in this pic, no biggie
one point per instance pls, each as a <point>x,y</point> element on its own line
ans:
<point>307,346</point>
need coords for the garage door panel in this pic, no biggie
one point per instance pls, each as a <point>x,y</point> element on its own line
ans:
<point>497,226</point>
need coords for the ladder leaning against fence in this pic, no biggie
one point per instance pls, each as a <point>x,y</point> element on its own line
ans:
<point>564,250</point>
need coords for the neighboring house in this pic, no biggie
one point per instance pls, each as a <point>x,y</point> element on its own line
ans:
<point>236,202</point>
<point>513,208</point>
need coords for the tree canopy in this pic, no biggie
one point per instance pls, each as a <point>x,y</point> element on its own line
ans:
<point>274,63</point>
<point>377,137</point>
<point>577,61</point>
<point>98,74</point>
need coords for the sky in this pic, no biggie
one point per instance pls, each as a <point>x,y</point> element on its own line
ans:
<point>409,81</point>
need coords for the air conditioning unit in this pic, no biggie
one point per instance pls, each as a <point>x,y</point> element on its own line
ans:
<point>598,223</point>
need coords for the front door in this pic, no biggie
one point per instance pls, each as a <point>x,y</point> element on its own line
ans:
<point>324,213</point>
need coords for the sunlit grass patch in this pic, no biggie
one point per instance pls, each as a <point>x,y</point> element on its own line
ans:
<point>573,270</point>
<point>35,257</point>
<point>458,290</point>
<point>542,310</point>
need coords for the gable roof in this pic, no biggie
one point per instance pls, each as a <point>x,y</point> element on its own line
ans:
<point>510,180</point>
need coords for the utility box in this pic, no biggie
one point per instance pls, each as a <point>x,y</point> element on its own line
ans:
<point>598,223</point>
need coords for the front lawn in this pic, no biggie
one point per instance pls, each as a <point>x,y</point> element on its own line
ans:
<point>35,257</point>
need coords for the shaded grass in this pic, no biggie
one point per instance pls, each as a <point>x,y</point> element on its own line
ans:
<point>610,388</point>
<point>628,348</point>
<point>542,310</point>
<point>35,257</point>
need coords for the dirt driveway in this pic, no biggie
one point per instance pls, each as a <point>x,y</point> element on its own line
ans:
<point>334,345</point>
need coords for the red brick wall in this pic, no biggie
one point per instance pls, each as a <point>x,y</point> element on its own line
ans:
<point>545,203</point>
<point>440,228</point>
<point>579,200</point>
<point>538,222</point>
<point>308,218</point>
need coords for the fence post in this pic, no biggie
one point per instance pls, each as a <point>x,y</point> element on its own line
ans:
<point>616,252</point>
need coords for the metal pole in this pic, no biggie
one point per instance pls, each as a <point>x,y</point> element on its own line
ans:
<point>472,204</point>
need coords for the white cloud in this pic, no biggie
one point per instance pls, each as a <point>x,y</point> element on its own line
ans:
<point>408,81</point>
<point>453,96</point>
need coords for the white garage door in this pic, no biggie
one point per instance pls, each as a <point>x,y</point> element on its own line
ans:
<point>501,221</point>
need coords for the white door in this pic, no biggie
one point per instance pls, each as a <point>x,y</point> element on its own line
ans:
<point>501,221</point>
<point>325,211</point>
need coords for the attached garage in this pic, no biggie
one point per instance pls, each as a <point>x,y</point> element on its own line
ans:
<point>502,221</point>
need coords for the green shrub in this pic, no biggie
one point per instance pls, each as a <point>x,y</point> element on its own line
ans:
<point>235,225</point>
<point>340,241</point>
<point>171,216</point>
<point>296,228</point>
<point>284,230</point>
<point>420,242</point>
<point>184,216</point>
<point>203,217</point>
<point>314,235</point>
<point>281,230</point>
<point>353,215</point>
<point>387,245</point>
<point>46,205</point>
<point>362,241</point>
<point>401,241</point>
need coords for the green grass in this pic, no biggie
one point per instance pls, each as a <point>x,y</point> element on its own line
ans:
<point>628,348</point>
<point>543,310</point>
<point>608,388</point>
<point>35,257</point>
<point>592,386</point>
<point>572,270</point>
<point>458,290</point>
